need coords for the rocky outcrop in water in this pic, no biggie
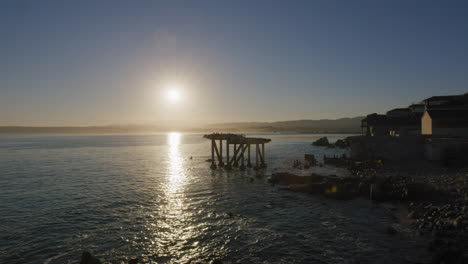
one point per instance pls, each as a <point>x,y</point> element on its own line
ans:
<point>324,142</point>
<point>133,261</point>
<point>87,258</point>
<point>289,178</point>
<point>436,200</point>
<point>321,142</point>
<point>340,143</point>
<point>329,186</point>
<point>365,182</point>
<point>309,161</point>
<point>340,161</point>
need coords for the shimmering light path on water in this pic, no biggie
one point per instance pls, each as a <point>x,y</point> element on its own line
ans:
<point>120,196</point>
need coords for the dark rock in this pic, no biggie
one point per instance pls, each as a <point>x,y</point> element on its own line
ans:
<point>297,164</point>
<point>287,178</point>
<point>449,256</point>
<point>336,161</point>
<point>341,143</point>
<point>340,193</point>
<point>316,178</point>
<point>377,190</point>
<point>321,142</point>
<point>133,261</point>
<point>391,230</point>
<point>87,258</point>
<point>364,188</point>
<point>457,222</point>
<point>310,158</point>
<point>330,186</point>
<point>317,188</point>
<point>309,161</point>
<point>436,244</point>
<point>216,261</point>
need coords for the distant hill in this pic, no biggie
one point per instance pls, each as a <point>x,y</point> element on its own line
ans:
<point>342,125</point>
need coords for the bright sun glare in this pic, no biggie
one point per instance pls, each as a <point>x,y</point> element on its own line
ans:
<point>174,94</point>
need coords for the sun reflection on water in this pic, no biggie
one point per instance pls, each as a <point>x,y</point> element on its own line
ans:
<point>175,160</point>
<point>173,139</point>
<point>175,229</point>
<point>176,175</point>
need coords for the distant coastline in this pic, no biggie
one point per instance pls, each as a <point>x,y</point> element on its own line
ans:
<point>324,126</point>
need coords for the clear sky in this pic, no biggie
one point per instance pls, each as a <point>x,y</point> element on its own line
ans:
<point>109,62</point>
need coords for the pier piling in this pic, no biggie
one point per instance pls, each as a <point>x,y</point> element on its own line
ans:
<point>241,144</point>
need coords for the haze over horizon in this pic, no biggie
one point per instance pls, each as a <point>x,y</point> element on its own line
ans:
<point>88,63</point>
<point>187,124</point>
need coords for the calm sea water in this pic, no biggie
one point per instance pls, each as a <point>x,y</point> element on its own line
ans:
<point>120,196</point>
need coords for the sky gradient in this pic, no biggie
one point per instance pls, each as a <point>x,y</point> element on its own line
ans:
<point>105,62</point>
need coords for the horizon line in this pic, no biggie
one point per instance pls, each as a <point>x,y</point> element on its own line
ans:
<point>154,123</point>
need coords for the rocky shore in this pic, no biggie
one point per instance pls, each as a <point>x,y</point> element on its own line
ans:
<point>432,202</point>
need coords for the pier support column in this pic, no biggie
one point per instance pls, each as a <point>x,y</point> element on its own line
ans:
<point>236,150</point>
<point>220,162</point>
<point>213,165</point>
<point>228,161</point>
<point>256,157</point>
<point>263,156</point>
<point>242,148</point>
<point>248,156</point>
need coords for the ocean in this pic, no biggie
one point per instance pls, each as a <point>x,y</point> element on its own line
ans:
<point>155,197</point>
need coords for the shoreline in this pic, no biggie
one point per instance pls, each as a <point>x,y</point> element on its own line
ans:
<point>426,200</point>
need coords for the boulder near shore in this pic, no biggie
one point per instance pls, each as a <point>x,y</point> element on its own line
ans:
<point>324,142</point>
<point>321,142</point>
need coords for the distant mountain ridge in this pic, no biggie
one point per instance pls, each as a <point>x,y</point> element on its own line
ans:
<point>342,125</point>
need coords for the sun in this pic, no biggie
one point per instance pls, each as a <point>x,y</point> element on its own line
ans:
<point>173,93</point>
<point>173,96</point>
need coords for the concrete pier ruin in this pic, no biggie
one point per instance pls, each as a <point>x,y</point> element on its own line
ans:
<point>241,147</point>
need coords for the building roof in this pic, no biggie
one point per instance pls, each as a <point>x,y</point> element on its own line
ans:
<point>440,97</point>
<point>389,121</point>
<point>374,119</point>
<point>461,114</point>
<point>457,99</point>
<point>399,110</point>
<point>449,118</point>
